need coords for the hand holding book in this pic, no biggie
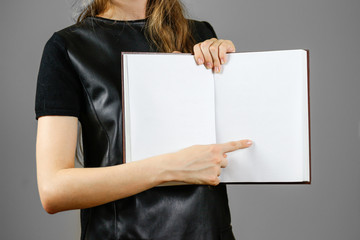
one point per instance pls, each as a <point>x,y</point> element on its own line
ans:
<point>212,53</point>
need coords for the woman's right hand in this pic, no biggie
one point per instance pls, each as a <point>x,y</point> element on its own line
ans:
<point>201,164</point>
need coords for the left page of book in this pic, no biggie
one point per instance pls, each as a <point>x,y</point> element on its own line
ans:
<point>169,104</point>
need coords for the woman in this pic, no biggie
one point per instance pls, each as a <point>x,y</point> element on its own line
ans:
<point>79,80</point>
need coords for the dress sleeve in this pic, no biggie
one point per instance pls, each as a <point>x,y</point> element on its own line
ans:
<point>58,88</point>
<point>208,25</point>
<point>202,30</point>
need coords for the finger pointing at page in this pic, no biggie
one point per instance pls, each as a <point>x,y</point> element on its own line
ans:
<point>235,145</point>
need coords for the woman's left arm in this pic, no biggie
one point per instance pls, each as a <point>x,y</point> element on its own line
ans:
<point>212,53</point>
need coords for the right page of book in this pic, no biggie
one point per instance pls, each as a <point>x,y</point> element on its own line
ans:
<point>263,96</point>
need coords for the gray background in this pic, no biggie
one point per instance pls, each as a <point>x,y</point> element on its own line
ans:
<point>328,209</point>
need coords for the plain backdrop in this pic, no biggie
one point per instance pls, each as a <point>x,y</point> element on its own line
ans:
<point>328,209</point>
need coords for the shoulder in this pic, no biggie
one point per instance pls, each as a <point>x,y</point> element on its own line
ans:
<point>63,41</point>
<point>61,38</point>
<point>57,41</point>
<point>55,57</point>
<point>201,30</point>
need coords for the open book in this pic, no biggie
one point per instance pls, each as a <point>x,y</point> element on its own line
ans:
<point>170,103</point>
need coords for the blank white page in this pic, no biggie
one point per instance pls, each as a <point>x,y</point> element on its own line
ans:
<point>170,104</point>
<point>262,96</point>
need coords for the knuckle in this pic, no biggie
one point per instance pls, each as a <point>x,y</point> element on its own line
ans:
<point>233,143</point>
<point>230,44</point>
<point>222,47</point>
<point>205,43</point>
<point>225,162</point>
<point>213,180</point>
<point>216,159</point>
<point>215,148</point>
<point>196,47</point>
<point>213,48</point>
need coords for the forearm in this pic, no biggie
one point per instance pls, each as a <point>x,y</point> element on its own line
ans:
<point>77,188</point>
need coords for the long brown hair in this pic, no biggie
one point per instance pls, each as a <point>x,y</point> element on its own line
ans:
<point>167,29</point>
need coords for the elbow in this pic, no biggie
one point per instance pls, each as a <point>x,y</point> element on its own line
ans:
<point>49,199</point>
<point>49,208</point>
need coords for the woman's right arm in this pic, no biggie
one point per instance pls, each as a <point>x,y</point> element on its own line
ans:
<point>64,187</point>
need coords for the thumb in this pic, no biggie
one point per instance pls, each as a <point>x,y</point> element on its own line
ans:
<point>235,145</point>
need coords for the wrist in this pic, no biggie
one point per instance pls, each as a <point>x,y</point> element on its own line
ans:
<point>166,172</point>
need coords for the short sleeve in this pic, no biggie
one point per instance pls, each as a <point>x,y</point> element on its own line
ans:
<point>58,88</point>
<point>202,30</point>
<point>208,25</point>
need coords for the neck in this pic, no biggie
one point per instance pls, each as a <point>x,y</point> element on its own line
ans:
<point>125,10</point>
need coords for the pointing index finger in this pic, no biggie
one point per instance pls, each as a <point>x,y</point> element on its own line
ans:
<point>235,145</point>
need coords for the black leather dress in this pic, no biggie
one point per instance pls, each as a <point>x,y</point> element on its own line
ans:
<point>161,213</point>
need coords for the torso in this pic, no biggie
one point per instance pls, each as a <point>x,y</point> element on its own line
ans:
<point>179,212</point>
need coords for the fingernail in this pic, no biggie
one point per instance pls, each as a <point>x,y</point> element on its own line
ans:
<point>222,61</point>
<point>200,61</point>
<point>217,69</point>
<point>249,142</point>
<point>208,65</point>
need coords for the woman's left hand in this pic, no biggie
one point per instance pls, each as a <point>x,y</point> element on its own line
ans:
<point>212,53</point>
